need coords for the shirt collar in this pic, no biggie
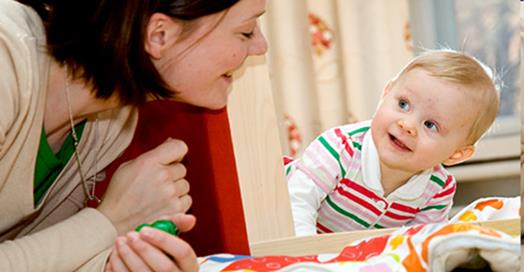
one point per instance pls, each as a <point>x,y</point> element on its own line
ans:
<point>371,176</point>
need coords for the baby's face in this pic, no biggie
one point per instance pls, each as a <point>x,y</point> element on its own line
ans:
<point>421,121</point>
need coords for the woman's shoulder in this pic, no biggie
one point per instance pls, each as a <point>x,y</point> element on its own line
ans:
<point>22,42</point>
<point>24,66</point>
<point>20,21</point>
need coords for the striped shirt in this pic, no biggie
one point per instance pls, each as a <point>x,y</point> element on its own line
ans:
<point>341,199</point>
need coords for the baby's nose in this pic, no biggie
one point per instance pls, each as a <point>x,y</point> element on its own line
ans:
<point>407,127</point>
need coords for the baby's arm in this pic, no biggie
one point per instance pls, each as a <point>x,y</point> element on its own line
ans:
<point>305,198</point>
<point>438,207</point>
<point>315,175</point>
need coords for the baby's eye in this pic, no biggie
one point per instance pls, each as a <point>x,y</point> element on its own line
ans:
<point>403,104</point>
<point>431,125</point>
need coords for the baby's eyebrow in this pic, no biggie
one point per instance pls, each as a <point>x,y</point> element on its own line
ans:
<point>410,91</point>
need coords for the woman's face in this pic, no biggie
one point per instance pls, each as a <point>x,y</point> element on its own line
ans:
<point>199,66</point>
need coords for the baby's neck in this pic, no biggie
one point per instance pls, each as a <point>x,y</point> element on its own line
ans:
<point>393,179</point>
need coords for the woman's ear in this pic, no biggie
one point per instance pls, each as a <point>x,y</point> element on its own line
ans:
<point>460,155</point>
<point>161,32</point>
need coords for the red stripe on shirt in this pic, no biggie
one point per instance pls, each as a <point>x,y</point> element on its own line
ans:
<point>447,192</point>
<point>358,200</point>
<point>344,141</point>
<point>323,228</point>
<point>360,189</point>
<point>404,208</point>
<point>448,181</point>
<point>397,216</point>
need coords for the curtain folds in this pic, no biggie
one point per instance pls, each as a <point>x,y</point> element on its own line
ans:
<point>330,59</point>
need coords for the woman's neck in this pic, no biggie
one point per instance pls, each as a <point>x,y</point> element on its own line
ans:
<point>57,124</point>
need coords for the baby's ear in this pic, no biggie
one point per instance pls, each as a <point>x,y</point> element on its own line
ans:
<point>460,155</point>
<point>387,88</point>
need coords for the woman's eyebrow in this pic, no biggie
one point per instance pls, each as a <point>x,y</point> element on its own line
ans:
<point>256,15</point>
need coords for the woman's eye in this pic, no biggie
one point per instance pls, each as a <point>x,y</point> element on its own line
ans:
<point>431,125</point>
<point>403,104</point>
<point>248,35</point>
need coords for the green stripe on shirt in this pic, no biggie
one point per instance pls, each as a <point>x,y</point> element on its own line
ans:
<point>329,148</point>
<point>362,129</point>
<point>437,180</point>
<point>435,207</point>
<point>333,153</point>
<point>288,169</point>
<point>346,213</point>
<point>357,146</point>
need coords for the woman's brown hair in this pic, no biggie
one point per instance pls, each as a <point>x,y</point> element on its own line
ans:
<point>103,41</point>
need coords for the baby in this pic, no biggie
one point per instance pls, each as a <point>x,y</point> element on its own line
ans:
<point>387,172</point>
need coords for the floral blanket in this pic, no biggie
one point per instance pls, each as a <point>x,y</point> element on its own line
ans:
<point>430,247</point>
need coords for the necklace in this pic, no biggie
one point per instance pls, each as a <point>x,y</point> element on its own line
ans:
<point>88,186</point>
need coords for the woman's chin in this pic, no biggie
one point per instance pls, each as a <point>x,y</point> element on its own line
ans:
<point>217,104</point>
<point>211,104</point>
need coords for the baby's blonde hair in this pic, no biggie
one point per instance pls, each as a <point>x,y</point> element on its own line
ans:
<point>467,71</point>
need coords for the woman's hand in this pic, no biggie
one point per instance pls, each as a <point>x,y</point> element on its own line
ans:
<point>154,250</point>
<point>148,187</point>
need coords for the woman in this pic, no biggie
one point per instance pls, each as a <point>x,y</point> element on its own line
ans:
<point>68,95</point>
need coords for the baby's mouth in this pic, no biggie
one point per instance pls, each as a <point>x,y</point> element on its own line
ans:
<point>398,143</point>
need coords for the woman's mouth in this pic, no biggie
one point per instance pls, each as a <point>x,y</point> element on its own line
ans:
<point>228,77</point>
<point>398,143</point>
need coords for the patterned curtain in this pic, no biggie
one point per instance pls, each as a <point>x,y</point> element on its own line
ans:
<point>330,59</point>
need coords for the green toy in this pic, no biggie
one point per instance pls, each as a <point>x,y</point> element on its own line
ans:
<point>164,225</point>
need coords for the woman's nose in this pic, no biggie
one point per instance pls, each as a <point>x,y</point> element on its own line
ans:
<point>259,46</point>
<point>407,127</point>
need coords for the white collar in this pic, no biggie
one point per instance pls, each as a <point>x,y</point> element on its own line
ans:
<point>371,175</point>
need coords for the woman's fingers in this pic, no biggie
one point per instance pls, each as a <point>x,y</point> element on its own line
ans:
<point>156,179</point>
<point>181,187</point>
<point>182,253</point>
<point>184,203</point>
<point>155,250</point>
<point>115,263</point>
<point>176,171</point>
<point>130,258</point>
<point>153,256</point>
<point>172,150</point>
<point>184,222</point>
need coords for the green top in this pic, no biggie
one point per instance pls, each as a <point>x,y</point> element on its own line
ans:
<point>49,165</point>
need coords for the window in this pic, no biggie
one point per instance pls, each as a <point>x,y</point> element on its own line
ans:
<point>488,30</point>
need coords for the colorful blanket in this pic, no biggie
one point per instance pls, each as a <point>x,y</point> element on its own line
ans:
<point>430,247</point>
<point>489,208</point>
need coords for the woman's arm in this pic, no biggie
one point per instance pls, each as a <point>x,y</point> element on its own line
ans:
<point>62,247</point>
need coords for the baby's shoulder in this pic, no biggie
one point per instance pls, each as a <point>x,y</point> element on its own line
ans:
<point>355,131</point>
<point>442,177</point>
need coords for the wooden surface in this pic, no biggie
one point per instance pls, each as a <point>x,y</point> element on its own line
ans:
<point>335,242</point>
<point>258,155</point>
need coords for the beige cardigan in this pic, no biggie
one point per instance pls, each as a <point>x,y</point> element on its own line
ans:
<point>59,235</point>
